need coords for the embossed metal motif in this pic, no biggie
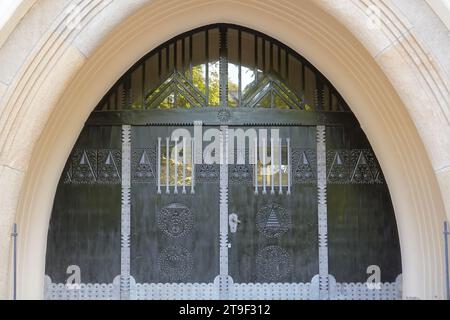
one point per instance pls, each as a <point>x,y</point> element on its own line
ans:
<point>224,116</point>
<point>109,166</point>
<point>143,165</point>
<point>92,166</point>
<point>273,264</point>
<point>241,173</point>
<point>357,166</point>
<point>207,173</point>
<point>361,172</point>
<point>365,167</point>
<point>337,165</point>
<point>84,166</point>
<point>273,220</point>
<point>175,220</point>
<point>175,263</point>
<point>303,165</point>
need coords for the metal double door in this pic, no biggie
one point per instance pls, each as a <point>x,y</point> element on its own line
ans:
<point>221,226</point>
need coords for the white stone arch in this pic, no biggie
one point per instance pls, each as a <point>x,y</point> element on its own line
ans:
<point>397,93</point>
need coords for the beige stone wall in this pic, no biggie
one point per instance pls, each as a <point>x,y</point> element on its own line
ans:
<point>393,72</point>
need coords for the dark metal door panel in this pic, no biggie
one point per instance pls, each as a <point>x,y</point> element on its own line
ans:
<point>85,227</point>
<point>281,239</point>
<point>174,237</point>
<point>257,256</point>
<point>362,230</point>
<point>276,239</point>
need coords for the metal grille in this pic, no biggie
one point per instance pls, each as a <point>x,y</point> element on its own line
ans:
<point>221,65</point>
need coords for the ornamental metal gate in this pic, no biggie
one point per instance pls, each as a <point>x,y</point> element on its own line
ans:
<point>290,204</point>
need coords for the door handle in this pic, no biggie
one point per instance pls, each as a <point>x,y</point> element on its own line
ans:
<point>233,222</point>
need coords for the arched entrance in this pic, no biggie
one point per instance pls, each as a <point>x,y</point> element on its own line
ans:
<point>171,218</point>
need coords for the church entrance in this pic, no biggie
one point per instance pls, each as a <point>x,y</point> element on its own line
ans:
<point>222,165</point>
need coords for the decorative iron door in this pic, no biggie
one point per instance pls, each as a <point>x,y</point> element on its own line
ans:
<point>174,218</point>
<point>274,244</point>
<point>298,209</point>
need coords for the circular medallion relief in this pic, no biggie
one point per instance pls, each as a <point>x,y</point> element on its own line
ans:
<point>175,220</point>
<point>273,220</point>
<point>175,263</point>
<point>273,264</point>
<point>224,116</point>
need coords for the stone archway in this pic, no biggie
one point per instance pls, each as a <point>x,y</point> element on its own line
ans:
<point>44,110</point>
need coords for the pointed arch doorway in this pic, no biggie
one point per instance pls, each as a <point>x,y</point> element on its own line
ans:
<point>137,212</point>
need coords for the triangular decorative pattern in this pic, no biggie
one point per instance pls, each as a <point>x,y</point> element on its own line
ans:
<point>84,166</point>
<point>109,166</point>
<point>180,89</point>
<point>362,166</point>
<point>304,164</point>
<point>356,166</point>
<point>271,89</point>
<point>143,165</point>
<point>338,166</point>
